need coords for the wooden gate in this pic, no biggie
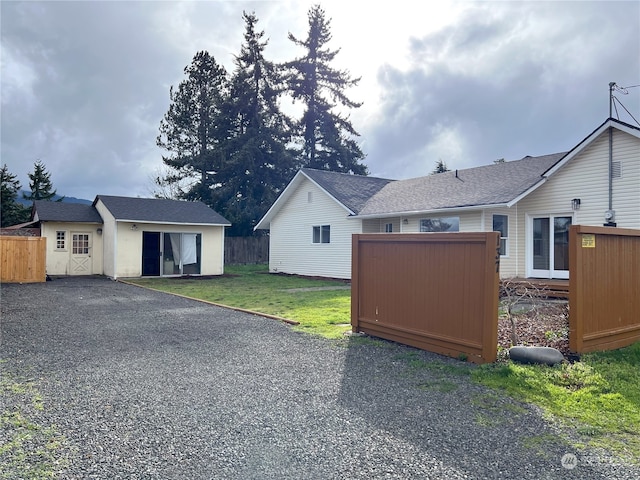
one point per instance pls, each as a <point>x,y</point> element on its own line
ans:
<point>604,288</point>
<point>435,291</point>
<point>22,259</point>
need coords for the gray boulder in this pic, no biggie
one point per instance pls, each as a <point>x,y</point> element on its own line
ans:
<point>529,355</point>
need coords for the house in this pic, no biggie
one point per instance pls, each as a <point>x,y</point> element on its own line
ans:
<point>131,237</point>
<point>531,202</point>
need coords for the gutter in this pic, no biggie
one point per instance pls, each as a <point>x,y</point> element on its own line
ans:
<point>437,210</point>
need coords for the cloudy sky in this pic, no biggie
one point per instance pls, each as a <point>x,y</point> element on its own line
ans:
<point>85,84</point>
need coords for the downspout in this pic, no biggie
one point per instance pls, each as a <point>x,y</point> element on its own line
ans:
<point>610,168</point>
<point>517,244</point>
<point>611,85</point>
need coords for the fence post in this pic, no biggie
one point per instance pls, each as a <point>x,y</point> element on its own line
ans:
<point>355,284</point>
<point>575,289</point>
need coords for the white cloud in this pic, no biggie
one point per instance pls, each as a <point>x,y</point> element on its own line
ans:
<point>85,84</point>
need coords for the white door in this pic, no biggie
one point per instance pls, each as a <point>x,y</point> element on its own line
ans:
<point>548,255</point>
<point>81,263</point>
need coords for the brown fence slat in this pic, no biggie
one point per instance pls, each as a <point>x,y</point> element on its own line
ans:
<point>437,291</point>
<point>22,259</point>
<point>604,288</point>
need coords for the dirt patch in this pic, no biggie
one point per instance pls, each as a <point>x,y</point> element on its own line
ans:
<point>546,326</point>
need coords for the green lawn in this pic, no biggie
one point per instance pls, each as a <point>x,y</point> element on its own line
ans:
<point>598,397</point>
<point>251,287</point>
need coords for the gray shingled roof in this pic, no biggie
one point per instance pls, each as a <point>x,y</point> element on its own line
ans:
<point>352,191</point>
<point>66,212</point>
<point>161,210</point>
<point>487,185</point>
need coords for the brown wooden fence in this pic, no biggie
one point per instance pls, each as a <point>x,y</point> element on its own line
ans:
<point>604,288</point>
<point>246,250</point>
<point>436,291</point>
<point>22,259</point>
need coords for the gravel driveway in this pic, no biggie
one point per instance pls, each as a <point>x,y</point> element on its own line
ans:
<point>139,384</point>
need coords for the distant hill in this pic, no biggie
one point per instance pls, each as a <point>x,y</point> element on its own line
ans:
<point>27,203</point>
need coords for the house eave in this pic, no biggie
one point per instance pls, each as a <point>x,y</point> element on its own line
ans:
<point>609,123</point>
<point>162,222</point>
<point>265,221</point>
<point>412,213</point>
<point>71,221</point>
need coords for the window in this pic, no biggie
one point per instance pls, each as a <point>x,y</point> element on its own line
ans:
<point>321,233</point>
<point>61,237</point>
<point>501,224</point>
<point>388,228</point>
<point>80,244</point>
<point>443,224</point>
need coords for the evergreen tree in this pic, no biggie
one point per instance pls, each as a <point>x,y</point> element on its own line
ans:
<point>259,161</point>
<point>40,184</point>
<point>441,167</point>
<point>194,129</point>
<point>328,136</point>
<point>11,212</point>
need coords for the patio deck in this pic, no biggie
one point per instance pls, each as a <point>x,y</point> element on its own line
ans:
<point>548,288</point>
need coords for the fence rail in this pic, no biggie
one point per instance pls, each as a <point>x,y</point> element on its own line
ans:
<point>434,291</point>
<point>22,259</point>
<point>604,288</point>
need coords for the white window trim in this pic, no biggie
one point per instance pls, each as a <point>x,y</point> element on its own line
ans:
<point>321,227</point>
<point>64,240</point>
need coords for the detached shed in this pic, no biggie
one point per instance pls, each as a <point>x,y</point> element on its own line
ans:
<point>132,237</point>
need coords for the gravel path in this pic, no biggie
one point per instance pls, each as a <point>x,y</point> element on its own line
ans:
<point>140,384</point>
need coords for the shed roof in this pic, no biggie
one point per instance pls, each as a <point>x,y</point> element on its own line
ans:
<point>48,211</point>
<point>160,210</point>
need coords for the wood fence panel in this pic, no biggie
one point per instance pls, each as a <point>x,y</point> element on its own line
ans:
<point>604,288</point>
<point>22,259</point>
<point>435,291</point>
<point>246,250</point>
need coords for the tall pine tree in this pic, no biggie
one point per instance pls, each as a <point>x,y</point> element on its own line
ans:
<point>40,184</point>
<point>260,163</point>
<point>328,136</point>
<point>194,129</point>
<point>11,212</point>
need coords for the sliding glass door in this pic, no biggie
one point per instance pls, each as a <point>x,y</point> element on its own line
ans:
<point>181,253</point>
<point>549,250</point>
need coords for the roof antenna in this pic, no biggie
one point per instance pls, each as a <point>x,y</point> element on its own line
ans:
<point>612,85</point>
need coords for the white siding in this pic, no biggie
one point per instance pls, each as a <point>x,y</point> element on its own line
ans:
<point>378,225</point>
<point>291,249</point>
<point>586,176</point>
<point>108,239</point>
<point>58,261</point>
<point>508,262</point>
<point>129,246</point>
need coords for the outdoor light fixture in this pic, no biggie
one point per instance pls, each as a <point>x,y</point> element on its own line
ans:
<point>405,221</point>
<point>575,204</point>
<point>134,227</point>
<point>99,231</point>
